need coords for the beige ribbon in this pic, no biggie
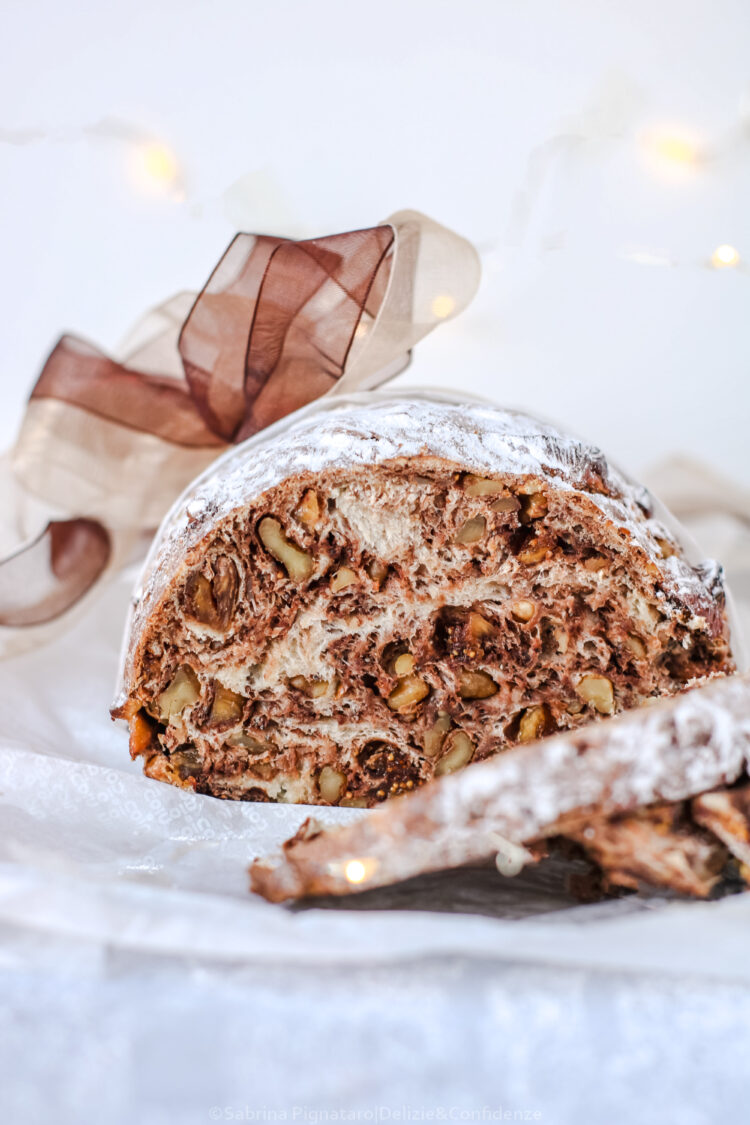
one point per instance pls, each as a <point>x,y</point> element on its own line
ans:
<point>106,445</point>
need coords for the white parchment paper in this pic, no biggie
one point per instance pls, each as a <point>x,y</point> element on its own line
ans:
<point>91,849</point>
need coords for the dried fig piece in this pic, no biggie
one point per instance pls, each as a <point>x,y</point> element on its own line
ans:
<point>187,761</point>
<point>535,723</point>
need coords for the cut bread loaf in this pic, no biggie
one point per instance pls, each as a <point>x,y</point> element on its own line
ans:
<point>644,795</point>
<point>387,588</point>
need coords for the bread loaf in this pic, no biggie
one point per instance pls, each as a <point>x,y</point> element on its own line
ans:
<point>389,587</point>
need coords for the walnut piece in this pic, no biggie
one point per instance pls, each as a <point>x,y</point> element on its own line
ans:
<point>314,689</point>
<point>533,507</point>
<point>343,577</point>
<point>476,685</point>
<point>481,486</point>
<point>598,691</point>
<point>534,552</point>
<point>533,722</point>
<point>212,601</point>
<point>636,646</point>
<point>227,705</point>
<point>471,531</point>
<point>331,784</point>
<point>523,610</point>
<point>435,736</point>
<point>183,692</point>
<point>308,511</point>
<point>377,570</point>
<point>407,693</point>
<point>247,742</point>
<point>297,563</point>
<point>479,626</point>
<point>459,752</point>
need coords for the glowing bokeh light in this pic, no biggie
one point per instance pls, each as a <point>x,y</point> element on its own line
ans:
<point>671,150</point>
<point>443,305</point>
<point>724,257</point>
<point>355,871</point>
<point>156,169</point>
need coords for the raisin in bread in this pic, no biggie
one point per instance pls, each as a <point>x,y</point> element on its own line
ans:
<point>387,587</point>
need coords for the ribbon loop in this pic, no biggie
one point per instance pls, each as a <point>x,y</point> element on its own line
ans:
<point>278,324</point>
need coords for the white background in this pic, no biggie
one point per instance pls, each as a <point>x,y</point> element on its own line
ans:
<point>530,127</point>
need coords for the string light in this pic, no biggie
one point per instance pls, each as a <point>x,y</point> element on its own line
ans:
<point>357,870</point>
<point>671,150</point>
<point>443,305</point>
<point>725,257</point>
<point>155,167</point>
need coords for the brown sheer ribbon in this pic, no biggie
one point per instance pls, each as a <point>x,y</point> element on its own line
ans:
<point>108,444</point>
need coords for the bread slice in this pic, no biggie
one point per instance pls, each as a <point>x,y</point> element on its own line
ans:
<point>642,793</point>
<point>388,588</point>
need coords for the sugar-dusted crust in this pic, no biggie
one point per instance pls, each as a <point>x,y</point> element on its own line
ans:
<point>386,588</point>
<point>672,751</point>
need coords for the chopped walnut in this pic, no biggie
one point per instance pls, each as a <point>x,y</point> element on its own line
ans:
<point>297,563</point>
<point>331,784</point>
<point>408,692</point>
<point>435,736</point>
<point>343,577</point>
<point>227,705</point>
<point>471,531</point>
<point>598,691</point>
<point>308,511</point>
<point>459,752</point>
<point>476,685</point>
<point>181,693</point>
<point>212,602</point>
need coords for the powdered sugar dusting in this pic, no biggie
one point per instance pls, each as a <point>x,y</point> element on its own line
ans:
<point>679,748</point>
<point>374,428</point>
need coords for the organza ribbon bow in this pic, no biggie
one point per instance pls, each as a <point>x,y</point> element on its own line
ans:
<point>107,445</point>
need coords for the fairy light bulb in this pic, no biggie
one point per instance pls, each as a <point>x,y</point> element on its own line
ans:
<point>443,305</point>
<point>355,871</point>
<point>680,150</point>
<point>725,257</point>
<point>155,168</point>
<point>673,151</point>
